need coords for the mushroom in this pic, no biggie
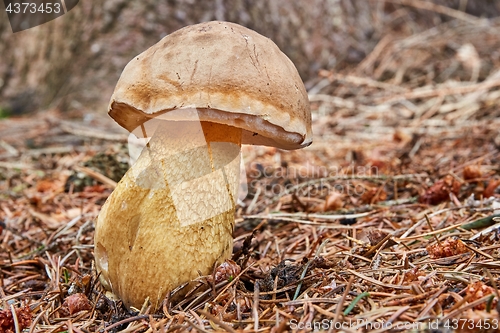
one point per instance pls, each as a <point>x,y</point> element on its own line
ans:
<point>203,90</point>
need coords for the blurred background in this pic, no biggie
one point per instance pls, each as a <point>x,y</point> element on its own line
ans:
<point>73,62</point>
<point>408,90</point>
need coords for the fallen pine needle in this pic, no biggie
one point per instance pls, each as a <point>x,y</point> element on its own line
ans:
<point>386,285</point>
<point>355,301</point>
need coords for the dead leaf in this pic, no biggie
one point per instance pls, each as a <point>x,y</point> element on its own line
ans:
<point>376,236</point>
<point>413,275</point>
<point>472,172</point>
<point>333,201</point>
<point>75,303</point>
<point>490,189</point>
<point>440,191</point>
<point>46,185</point>
<point>447,248</point>
<point>373,195</point>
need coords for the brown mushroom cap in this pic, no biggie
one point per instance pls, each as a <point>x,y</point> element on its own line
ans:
<point>231,74</point>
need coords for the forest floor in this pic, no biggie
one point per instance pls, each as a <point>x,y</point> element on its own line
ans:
<point>389,221</point>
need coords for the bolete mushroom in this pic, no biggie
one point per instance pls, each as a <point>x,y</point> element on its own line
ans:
<point>204,90</point>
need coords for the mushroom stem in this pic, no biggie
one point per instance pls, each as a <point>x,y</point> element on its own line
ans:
<point>172,214</point>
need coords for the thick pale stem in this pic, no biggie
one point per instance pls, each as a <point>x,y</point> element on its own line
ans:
<point>172,214</point>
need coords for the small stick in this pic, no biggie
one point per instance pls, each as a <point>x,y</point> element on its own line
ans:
<point>10,149</point>
<point>439,9</point>
<point>217,321</point>
<point>478,251</point>
<point>465,308</point>
<point>125,321</point>
<point>196,327</point>
<point>341,303</point>
<point>82,131</point>
<point>377,282</point>
<point>255,308</point>
<point>97,176</point>
<point>14,317</point>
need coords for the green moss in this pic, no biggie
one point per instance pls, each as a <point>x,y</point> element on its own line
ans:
<point>4,113</point>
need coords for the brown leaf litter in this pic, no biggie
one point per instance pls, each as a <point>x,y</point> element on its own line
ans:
<point>391,216</point>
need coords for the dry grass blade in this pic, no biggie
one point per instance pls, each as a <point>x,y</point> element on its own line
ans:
<point>97,176</point>
<point>471,305</point>
<point>438,9</point>
<point>217,321</point>
<point>374,281</point>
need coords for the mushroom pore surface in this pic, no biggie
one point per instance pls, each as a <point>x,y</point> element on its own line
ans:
<point>172,214</point>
